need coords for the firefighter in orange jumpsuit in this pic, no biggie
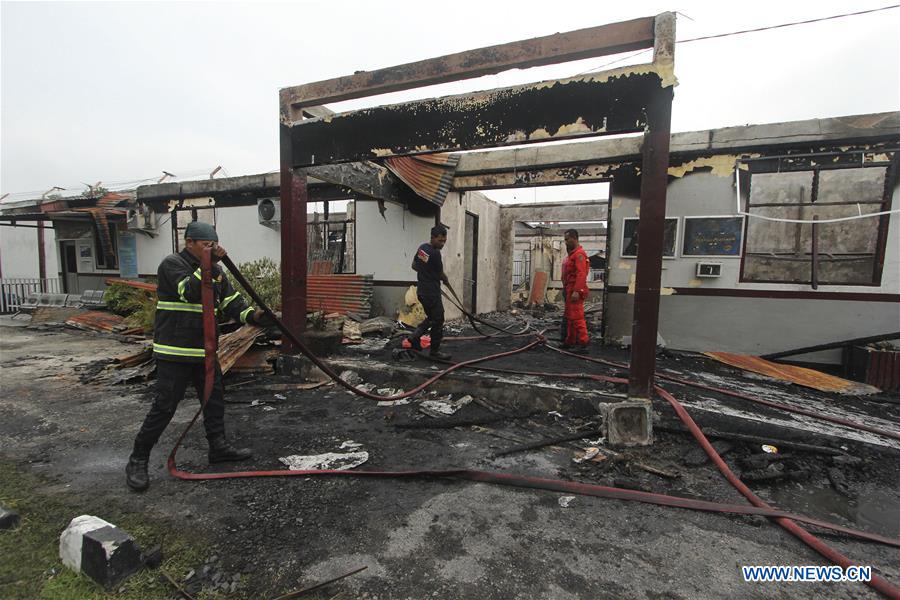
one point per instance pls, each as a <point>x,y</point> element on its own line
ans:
<point>574,276</point>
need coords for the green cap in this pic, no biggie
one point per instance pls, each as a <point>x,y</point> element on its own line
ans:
<point>200,231</point>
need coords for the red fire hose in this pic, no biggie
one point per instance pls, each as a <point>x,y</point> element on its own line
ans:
<point>786,520</point>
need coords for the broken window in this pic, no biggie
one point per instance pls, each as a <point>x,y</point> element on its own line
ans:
<point>106,246</point>
<point>840,253</point>
<point>331,239</point>
<point>183,215</point>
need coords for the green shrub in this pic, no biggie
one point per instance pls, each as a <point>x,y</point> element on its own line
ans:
<point>137,306</point>
<point>265,277</point>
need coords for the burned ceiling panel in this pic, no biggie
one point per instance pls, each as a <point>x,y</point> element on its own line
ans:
<point>540,112</point>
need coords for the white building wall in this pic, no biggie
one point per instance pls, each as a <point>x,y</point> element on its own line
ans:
<point>245,239</point>
<point>19,251</point>
<point>385,247</point>
<point>453,214</point>
<point>151,250</point>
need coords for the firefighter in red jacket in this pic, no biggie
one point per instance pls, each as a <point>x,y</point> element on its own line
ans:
<point>574,276</point>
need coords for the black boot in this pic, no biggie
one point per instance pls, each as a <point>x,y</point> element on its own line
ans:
<point>221,451</point>
<point>439,355</point>
<point>136,471</point>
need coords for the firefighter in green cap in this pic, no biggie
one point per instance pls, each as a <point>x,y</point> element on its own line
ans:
<point>178,349</point>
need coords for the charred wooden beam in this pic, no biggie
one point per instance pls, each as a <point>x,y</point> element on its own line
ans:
<point>560,47</point>
<point>604,104</point>
<point>534,177</point>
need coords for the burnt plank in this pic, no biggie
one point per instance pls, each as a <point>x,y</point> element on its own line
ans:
<point>534,113</point>
<point>559,47</point>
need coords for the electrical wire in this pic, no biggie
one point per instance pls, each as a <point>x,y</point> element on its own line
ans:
<point>745,31</point>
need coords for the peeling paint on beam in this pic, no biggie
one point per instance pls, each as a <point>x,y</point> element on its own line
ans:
<point>534,177</point>
<point>552,49</point>
<point>603,104</point>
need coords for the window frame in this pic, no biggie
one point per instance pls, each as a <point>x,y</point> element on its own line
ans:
<point>665,256</point>
<point>816,163</point>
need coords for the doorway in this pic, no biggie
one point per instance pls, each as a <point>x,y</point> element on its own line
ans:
<point>470,270</point>
<point>69,266</point>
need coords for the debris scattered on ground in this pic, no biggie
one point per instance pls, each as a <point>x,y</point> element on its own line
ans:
<point>329,461</point>
<point>234,345</point>
<point>444,406</point>
<point>103,322</point>
<point>564,501</point>
<point>350,445</point>
<point>287,387</point>
<point>592,453</point>
<point>351,377</point>
<point>696,456</point>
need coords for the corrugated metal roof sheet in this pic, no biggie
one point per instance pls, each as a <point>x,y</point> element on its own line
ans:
<point>340,294</point>
<point>799,375</point>
<point>429,175</point>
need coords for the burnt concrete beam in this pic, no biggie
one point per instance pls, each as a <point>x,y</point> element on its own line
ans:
<point>856,128</point>
<point>100,550</point>
<point>552,49</point>
<point>208,187</point>
<point>603,104</point>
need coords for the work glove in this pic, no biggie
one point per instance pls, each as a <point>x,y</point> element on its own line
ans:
<point>262,318</point>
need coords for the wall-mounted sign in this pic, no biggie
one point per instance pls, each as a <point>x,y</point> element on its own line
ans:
<point>712,236</point>
<point>630,237</point>
<point>128,267</point>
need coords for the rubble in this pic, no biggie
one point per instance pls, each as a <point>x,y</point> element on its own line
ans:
<point>329,461</point>
<point>443,406</point>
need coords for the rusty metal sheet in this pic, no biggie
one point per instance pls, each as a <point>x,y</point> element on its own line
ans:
<point>429,175</point>
<point>801,376</point>
<point>96,320</point>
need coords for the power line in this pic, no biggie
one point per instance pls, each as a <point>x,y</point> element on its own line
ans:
<point>743,31</point>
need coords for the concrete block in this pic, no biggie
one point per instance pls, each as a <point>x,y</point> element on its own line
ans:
<point>100,550</point>
<point>9,519</point>
<point>628,423</point>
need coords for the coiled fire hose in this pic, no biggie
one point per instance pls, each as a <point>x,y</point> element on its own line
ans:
<point>783,518</point>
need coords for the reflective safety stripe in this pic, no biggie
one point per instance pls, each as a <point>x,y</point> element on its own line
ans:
<point>228,300</point>
<point>183,306</point>
<point>197,274</point>
<point>181,287</point>
<point>244,314</point>
<point>177,351</point>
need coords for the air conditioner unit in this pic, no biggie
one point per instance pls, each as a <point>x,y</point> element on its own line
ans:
<point>143,219</point>
<point>709,269</point>
<point>269,211</point>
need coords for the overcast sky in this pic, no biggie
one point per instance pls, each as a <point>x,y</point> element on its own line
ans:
<point>120,91</point>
